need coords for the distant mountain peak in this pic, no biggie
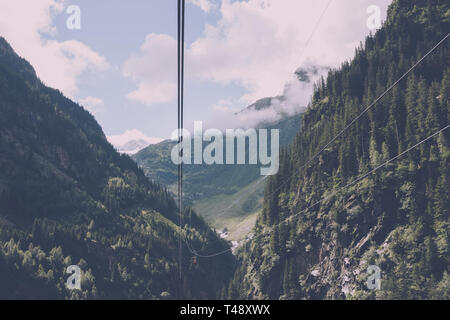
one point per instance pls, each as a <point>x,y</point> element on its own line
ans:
<point>132,146</point>
<point>131,141</point>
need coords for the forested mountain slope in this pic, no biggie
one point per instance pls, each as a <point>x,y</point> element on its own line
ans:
<point>316,238</point>
<point>68,198</point>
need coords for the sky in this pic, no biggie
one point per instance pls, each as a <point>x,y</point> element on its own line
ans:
<point>121,63</point>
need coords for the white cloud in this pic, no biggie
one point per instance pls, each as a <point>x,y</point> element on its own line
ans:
<point>58,63</point>
<point>298,90</point>
<point>129,135</point>
<point>154,69</point>
<point>92,104</point>
<point>205,5</point>
<point>150,93</point>
<point>223,106</point>
<point>257,44</point>
<point>296,96</point>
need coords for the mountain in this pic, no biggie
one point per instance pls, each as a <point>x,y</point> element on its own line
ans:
<point>131,141</point>
<point>68,198</point>
<point>261,104</point>
<point>132,146</point>
<point>226,196</point>
<point>356,204</point>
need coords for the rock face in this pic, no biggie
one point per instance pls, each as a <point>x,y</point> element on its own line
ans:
<point>319,232</point>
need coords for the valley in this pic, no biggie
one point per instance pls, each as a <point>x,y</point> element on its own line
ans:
<point>358,210</point>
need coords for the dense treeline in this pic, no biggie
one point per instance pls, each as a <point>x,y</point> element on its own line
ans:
<point>396,218</point>
<point>68,198</point>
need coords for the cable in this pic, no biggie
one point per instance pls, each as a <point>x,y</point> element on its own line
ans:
<point>315,29</point>
<point>180,38</point>
<point>334,192</point>
<point>370,172</point>
<point>362,113</point>
<point>353,182</point>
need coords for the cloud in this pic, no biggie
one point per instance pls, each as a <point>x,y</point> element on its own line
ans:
<point>223,105</point>
<point>150,93</point>
<point>129,135</point>
<point>92,104</point>
<point>294,99</point>
<point>260,43</point>
<point>205,5</point>
<point>298,90</point>
<point>26,25</point>
<point>154,69</point>
<point>257,44</point>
